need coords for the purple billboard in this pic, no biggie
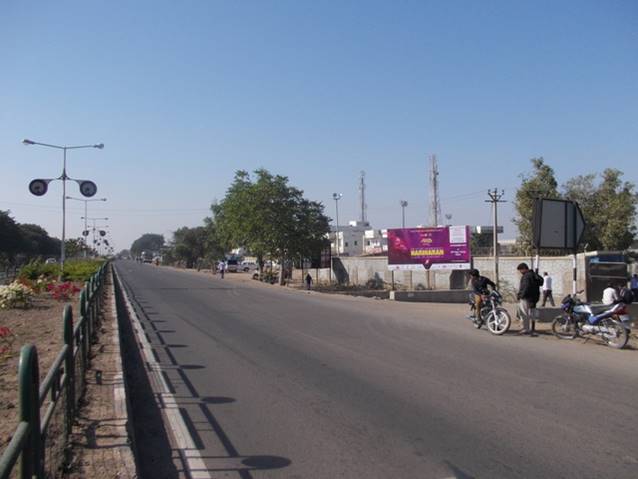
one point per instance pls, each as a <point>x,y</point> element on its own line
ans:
<point>446,247</point>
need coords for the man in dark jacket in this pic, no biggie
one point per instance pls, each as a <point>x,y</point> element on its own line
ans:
<point>479,285</point>
<point>528,295</point>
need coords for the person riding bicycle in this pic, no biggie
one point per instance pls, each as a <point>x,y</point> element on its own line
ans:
<point>480,287</point>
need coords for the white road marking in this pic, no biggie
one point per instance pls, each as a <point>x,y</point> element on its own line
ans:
<point>183,440</point>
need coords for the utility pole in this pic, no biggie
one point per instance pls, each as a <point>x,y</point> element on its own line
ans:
<point>495,199</point>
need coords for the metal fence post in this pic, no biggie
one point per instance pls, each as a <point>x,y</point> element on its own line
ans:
<point>31,463</point>
<point>69,366</point>
<point>83,325</point>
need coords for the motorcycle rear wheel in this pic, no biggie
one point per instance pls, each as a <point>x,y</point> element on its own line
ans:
<point>617,337</point>
<point>564,327</point>
<point>498,321</point>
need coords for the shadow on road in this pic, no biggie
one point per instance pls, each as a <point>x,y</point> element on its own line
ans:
<point>155,455</point>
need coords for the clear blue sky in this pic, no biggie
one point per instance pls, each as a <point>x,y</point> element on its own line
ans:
<point>185,93</point>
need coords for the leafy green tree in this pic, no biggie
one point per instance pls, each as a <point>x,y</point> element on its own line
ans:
<point>189,244</point>
<point>269,217</point>
<point>609,209</point>
<point>540,183</point>
<point>147,242</point>
<point>11,238</point>
<point>74,247</point>
<point>37,241</point>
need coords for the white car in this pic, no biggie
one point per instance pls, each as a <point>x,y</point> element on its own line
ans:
<point>51,261</point>
<point>247,266</point>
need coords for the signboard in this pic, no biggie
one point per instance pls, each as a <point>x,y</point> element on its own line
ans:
<point>558,224</point>
<point>446,247</point>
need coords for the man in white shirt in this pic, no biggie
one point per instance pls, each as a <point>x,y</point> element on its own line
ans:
<point>547,289</point>
<point>610,295</point>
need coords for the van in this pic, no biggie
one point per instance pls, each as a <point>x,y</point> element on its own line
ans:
<point>232,265</point>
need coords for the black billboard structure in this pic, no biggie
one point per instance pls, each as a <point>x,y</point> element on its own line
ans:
<point>558,225</point>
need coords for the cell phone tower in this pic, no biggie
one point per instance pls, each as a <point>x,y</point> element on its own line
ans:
<point>435,201</point>
<point>362,196</point>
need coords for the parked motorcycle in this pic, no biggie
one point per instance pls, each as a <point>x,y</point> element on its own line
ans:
<point>578,319</point>
<point>492,314</point>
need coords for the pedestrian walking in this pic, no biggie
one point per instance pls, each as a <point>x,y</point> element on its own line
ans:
<point>633,285</point>
<point>308,281</point>
<point>528,295</point>
<point>222,268</point>
<point>547,289</point>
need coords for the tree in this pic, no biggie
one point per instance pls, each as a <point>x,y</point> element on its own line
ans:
<point>189,244</point>
<point>74,247</point>
<point>609,209</point>
<point>11,238</point>
<point>37,241</point>
<point>269,217</point>
<point>540,183</point>
<point>147,242</point>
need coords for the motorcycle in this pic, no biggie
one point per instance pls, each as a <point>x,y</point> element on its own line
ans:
<point>579,319</point>
<point>492,314</point>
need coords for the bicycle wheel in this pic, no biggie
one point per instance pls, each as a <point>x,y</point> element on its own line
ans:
<point>614,333</point>
<point>564,327</point>
<point>498,321</point>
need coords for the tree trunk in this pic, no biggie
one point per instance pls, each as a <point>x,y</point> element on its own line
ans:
<point>282,271</point>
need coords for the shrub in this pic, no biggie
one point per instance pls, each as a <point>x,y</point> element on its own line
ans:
<point>6,341</point>
<point>63,291</point>
<point>15,295</point>
<point>81,270</point>
<point>36,269</point>
<point>74,270</point>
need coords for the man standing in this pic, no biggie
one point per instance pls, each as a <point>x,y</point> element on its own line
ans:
<point>547,289</point>
<point>633,285</point>
<point>308,281</point>
<point>528,295</point>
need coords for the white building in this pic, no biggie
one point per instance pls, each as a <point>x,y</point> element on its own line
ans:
<point>375,242</point>
<point>349,240</point>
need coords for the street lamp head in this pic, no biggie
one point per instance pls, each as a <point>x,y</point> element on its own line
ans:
<point>404,203</point>
<point>336,196</point>
<point>28,142</point>
<point>99,146</point>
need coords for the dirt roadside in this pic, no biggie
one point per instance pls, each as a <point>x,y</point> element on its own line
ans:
<point>99,446</point>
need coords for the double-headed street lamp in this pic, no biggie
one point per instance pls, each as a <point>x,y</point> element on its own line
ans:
<point>102,232</point>
<point>40,186</point>
<point>337,197</point>
<point>85,232</point>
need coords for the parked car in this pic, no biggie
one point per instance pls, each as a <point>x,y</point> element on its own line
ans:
<point>232,265</point>
<point>50,261</point>
<point>247,266</point>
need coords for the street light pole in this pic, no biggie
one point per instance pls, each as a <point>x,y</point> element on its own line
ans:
<point>63,177</point>
<point>85,219</point>
<point>403,205</point>
<point>94,225</point>
<point>337,197</point>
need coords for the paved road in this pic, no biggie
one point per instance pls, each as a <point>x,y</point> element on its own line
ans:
<point>280,383</point>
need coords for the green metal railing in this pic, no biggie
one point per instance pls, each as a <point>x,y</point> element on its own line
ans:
<point>40,440</point>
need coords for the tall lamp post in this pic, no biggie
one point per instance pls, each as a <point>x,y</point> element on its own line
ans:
<point>95,227</point>
<point>403,205</point>
<point>39,187</point>
<point>337,197</point>
<point>85,231</point>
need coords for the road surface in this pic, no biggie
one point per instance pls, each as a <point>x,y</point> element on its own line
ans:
<point>262,382</point>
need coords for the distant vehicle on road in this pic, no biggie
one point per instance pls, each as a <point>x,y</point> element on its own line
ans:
<point>146,257</point>
<point>232,265</point>
<point>50,261</point>
<point>247,266</point>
